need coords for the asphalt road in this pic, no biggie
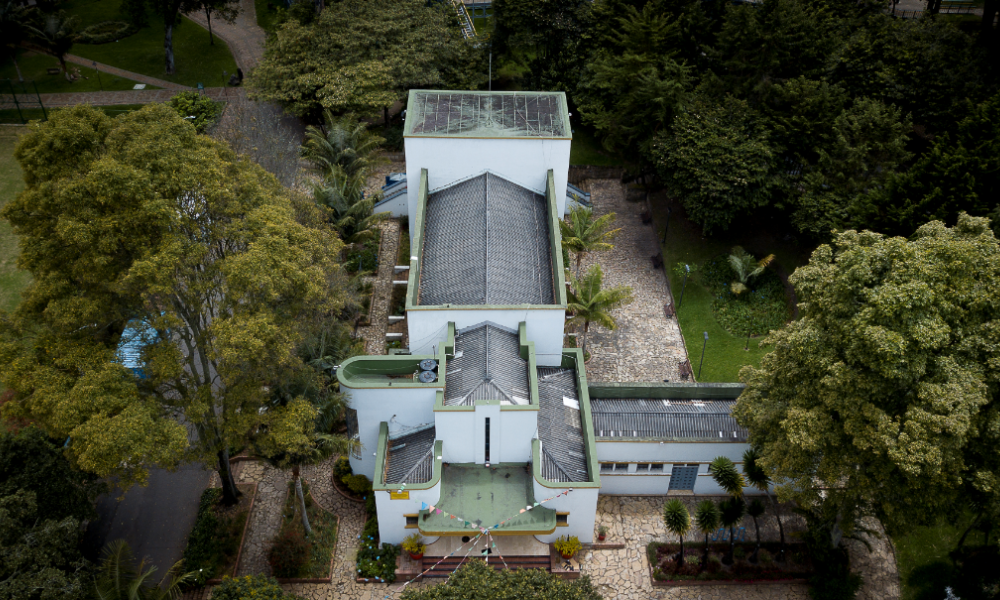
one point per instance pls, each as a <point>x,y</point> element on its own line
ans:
<point>155,520</point>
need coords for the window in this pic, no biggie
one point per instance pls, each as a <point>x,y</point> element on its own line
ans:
<point>351,416</point>
<point>614,467</point>
<point>487,439</point>
<point>411,521</point>
<point>607,468</point>
<point>621,468</point>
<point>656,468</point>
<point>642,467</point>
<point>562,519</point>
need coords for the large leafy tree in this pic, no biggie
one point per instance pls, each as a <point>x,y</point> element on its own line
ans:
<point>882,397</point>
<point>718,161</point>
<point>472,579</point>
<point>362,55</point>
<point>140,222</point>
<point>56,35</point>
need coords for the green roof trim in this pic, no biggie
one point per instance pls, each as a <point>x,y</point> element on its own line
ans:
<point>388,371</point>
<point>382,451</point>
<point>487,496</point>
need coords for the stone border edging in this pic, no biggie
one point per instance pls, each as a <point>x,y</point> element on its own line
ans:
<point>690,582</point>
<point>239,553</point>
<point>607,546</point>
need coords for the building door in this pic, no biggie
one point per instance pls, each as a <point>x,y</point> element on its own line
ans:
<point>683,477</point>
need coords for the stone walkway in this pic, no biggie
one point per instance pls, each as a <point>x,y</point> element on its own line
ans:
<point>244,37</point>
<point>126,97</point>
<point>374,333</point>
<point>646,346</point>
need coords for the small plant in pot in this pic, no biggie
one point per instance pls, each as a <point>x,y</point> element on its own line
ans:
<point>414,546</point>
<point>567,546</point>
<point>602,532</point>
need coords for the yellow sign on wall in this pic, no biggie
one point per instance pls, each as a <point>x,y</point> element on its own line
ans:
<point>399,495</point>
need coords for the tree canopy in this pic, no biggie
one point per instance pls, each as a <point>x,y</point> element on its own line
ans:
<point>138,228</point>
<point>362,55</point>
<point>883,395</point>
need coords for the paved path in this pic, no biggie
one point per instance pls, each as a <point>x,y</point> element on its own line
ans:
<point>374,333</point>
<point>646,346</point>
<point>244,37</point>
<point>126,97</point>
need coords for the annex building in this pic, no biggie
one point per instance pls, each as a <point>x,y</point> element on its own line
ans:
<point>485,422</point>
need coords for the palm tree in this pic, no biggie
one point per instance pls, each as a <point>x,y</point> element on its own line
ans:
<point>14,31</point>
<point>582,233</point>
<point>678,522</point>
<point>758,478</point>
<point>731,512</point>
<point>706,517</point>
<point>120,579</point>
<point>590,304</point>
<point>56,36</point>
<point>755,509</point>
<point>341,141</point>
<point>729,478</point>
<point>352,214</point>
<point>746,268</point>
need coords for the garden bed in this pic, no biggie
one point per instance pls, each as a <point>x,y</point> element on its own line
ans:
<point>664,569</point>
<point>296,558</point>
<point>365,256</point>
<point>754,312</point>
<point>216,540</point>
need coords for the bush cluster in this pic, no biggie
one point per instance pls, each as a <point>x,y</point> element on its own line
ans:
<point>341,467</point>
<point>289,554</point>
<point>373,561</point>
<point>192,104</point>
<point>364,257</point>
<point>759,310</point>
<point>258,587</point>
<point>105,32</point>
<point>201,552</point>
<point>358,484</point>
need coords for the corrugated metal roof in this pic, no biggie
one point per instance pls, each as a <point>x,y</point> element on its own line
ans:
<point>487,114</point>
<point>559,426</point>
<point>692,420</point>
<point>486,241</point>
<point>487,366</point>
<point>410,457</point>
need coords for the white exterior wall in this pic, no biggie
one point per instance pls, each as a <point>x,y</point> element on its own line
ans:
<point>581,504</point>
<point>397,207</point>
<point>429,328</point>
<point>410,406</point>
<point>391,514</point>
<point>463,434</point>
<point>665,452</point>
<point>524,161</point>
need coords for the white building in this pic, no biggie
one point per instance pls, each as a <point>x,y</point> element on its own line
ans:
<point>486,417</point>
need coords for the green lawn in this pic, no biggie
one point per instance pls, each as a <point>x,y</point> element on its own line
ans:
<point>587,150</point>
<point>196,60</point>
<point>266,14</point>
<point>12,280</point>
<point>34,67</point>
<point>724,353</point>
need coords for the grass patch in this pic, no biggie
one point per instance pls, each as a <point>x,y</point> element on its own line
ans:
<point>12,279</point>
<point>484,25</point>
<point>324,532</point>
<point>214,541</point>
<point>196,60</point>
<point>586,149</point>
<point>35,68</point>
<point>724,353</point>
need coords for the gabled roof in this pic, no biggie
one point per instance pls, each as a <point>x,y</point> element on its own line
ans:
<point>486,240</point>
<point>487,366</point>
<point>410,456</point>
<point>559,426</point>
<point>686,420</point>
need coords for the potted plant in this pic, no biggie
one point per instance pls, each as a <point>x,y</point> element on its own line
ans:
<point>602,532</point>
<point>414,546</point>
<point>567,546</point>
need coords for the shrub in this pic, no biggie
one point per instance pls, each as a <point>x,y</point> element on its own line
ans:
<point>739,553</point>
<point>358,484</point>
<point>200,552</point>
<point>363,257</point>
<point>105,32</point>
<point>258,587</point>
<point>341,468</point>
<point>376,562</point>
<point>192,104</point>
<point>289,553</point>
<point>757,311</point>
<point>567,545</point>
<point>765,558</point>
<point>414,544</point>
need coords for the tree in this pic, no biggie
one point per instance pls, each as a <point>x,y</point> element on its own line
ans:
<point>589,303</point>
<point>352,215</point>
<point>746,268</point>
<point>633,87</point>
<point>227,10</point>
<point>475,576</point>
<point>169,11</point>
<point>200,259</point>
<point>880,397</point>
<point>581,233</point>
<point>758,478</point>
<point>119,578</point>
<point>342,142</point>
<point>706,517</point>
<point>727,476</point>
<point>56,36</point>
<point>868,146</point>
<point>678,522</point>
<point>731,511</point>
<point>15,30</point>
<point>801,113</point>
<point>360,56</point>
<point>755,509</point>
<point>718,161</point>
